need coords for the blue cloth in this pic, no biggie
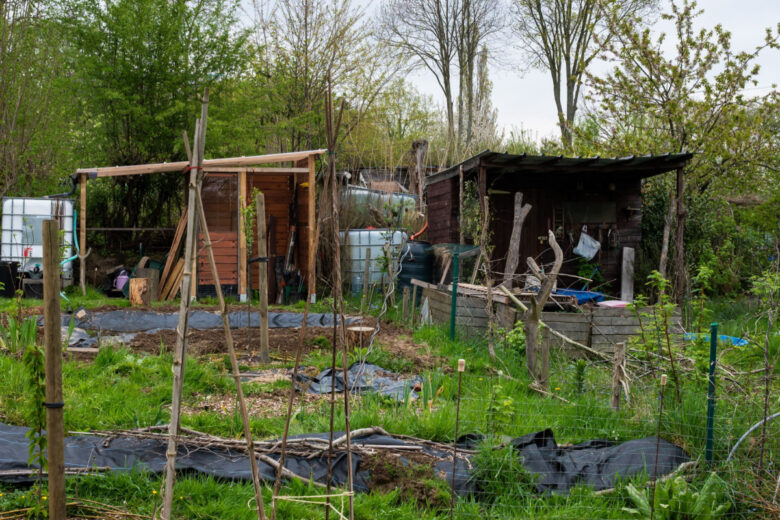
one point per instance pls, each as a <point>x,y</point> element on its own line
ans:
<point>582,296</point>
<point>737,342</point>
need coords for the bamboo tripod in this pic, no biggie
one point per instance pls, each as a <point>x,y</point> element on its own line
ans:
<point>195,219</point>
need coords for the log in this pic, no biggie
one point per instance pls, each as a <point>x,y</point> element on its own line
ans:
<point>153,275</point>
<point>139,292</point>
<point>513,253</point>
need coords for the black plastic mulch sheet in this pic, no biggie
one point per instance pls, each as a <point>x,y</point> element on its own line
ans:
<point>597,463</point>
<point>362,377</point>
<point>150,321</point>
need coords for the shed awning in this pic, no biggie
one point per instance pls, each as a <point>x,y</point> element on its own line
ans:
<point>252,160</point>
<point>505,163</point>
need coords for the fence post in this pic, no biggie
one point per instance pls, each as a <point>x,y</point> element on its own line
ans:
<point>711,392</point>
<point>454,306</point>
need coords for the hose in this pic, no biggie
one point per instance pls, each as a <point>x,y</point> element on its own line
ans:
<point>75,240</point>
<point>414,237</point>
<point>750,430</point>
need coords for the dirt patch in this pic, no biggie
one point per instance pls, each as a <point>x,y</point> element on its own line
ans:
<point>414,477</point>
<point>283,342</point>
<point>398,342</point>
<point>269,404</point>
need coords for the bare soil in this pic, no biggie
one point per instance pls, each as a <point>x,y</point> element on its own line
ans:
<point>265,405</point>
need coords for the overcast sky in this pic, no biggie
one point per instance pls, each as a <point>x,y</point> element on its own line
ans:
<point>524,99</point>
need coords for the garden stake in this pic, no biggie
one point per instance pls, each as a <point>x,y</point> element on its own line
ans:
<point>461,369</point>
<point>657,447</point>
<point>711,392</point>
<point>53,342</point>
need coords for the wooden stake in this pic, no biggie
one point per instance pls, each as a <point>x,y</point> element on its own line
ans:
<point>413,306</point>
<point>180,351</point>
<point>83,253</point>
<point>366,274</point>
<point>55,433</point>
<point>617,375</point>
<point>405,304</point>
<point>262,282</point>
<point>544,369</point>
<point>232,353</point>
<point>243,291</point>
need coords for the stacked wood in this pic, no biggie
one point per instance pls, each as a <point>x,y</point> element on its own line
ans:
<point>169,269</point>
<point>173,283</point>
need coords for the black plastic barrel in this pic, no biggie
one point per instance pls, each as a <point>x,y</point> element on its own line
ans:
<point>9,279</point>
<point>416,263</point>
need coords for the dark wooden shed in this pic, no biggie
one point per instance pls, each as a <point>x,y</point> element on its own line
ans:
<point>566,193</point>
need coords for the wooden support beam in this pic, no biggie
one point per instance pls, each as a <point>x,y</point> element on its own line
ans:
<point>55,432</point>
<point>173,252</point>
<point>312,274</point>
<point>242,246</point>
<point>262,281</point>
<point>83,233</point>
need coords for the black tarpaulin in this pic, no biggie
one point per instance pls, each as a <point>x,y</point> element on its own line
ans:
<point>596,463</point>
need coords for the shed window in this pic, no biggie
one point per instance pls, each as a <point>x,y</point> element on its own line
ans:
<point>590,212</point>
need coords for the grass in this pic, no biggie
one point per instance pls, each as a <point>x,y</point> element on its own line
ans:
<point>121,389</point>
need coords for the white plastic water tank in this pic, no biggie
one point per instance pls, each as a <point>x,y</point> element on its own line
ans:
<point>354,244</point>
<point>22,229</point>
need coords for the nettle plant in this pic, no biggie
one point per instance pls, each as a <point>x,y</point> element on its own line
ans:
<point>34,364</point>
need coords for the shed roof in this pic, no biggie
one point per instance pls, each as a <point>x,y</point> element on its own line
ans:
<point>252,160</point>
<point>641,165</point>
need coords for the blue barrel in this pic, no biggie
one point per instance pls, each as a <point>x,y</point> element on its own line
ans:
<point>416,263</point>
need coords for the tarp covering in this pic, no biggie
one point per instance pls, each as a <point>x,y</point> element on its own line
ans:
<point>150,321</point>
<point>362,377</point>
<point>597,463</point>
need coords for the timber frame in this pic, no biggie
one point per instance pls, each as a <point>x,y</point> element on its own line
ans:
<point>299,168</point>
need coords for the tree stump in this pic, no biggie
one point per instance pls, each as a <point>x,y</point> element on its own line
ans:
<point>139,292</point>
<point>153,275</point>
<point>359,337</point>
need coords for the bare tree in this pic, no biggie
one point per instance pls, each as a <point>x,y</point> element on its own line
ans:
<point>560,36</point>
<point>478,22</point>
<point>426,31</point>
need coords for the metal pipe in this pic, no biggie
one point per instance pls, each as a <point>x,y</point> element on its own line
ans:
<point>66,194</point>
<point>711,392</point>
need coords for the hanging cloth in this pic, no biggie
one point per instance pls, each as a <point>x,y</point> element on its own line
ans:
<point>587,247</point>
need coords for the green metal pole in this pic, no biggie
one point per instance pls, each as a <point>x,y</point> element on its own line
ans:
<point>454,305</point>
<point>711,392</point>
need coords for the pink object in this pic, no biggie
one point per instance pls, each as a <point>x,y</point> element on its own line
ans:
<point>121,280</point>
<point>614,304</point>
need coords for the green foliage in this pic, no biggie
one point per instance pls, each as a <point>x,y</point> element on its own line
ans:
<point>675,499</point>
<point>501,408</point>
<point>16,337</point>
<point>500,475</point>
<point>515,338</point>
<point>579,375</point>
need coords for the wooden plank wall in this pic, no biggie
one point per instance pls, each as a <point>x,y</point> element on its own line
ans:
<point>225,246</point>
<point>598,327</point>
<point>443,211</point>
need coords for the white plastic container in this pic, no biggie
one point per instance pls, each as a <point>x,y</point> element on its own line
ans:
<point>354,244</point>
<point>22,225</point>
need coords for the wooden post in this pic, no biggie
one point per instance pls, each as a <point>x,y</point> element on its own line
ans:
<point>366,274</point>
<point>461,224</point>
<point>242,252</point>
<point>617,375</point>
<point>83,233</point>
<point>513,253</point>
<point>405,304</point>
<point>312,282</point>
<point>262,282</point>
<point>180,352</point>
<point>55,434</point>
<point>544,365</point>
<point>627,275</point>
<point>413,306</point>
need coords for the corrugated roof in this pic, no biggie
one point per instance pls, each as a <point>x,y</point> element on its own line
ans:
<point>641,166</point>
<point>252,160</point>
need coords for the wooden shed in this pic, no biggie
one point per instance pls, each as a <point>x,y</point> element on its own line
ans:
<point>568,195</point>
<point>288,182</point>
